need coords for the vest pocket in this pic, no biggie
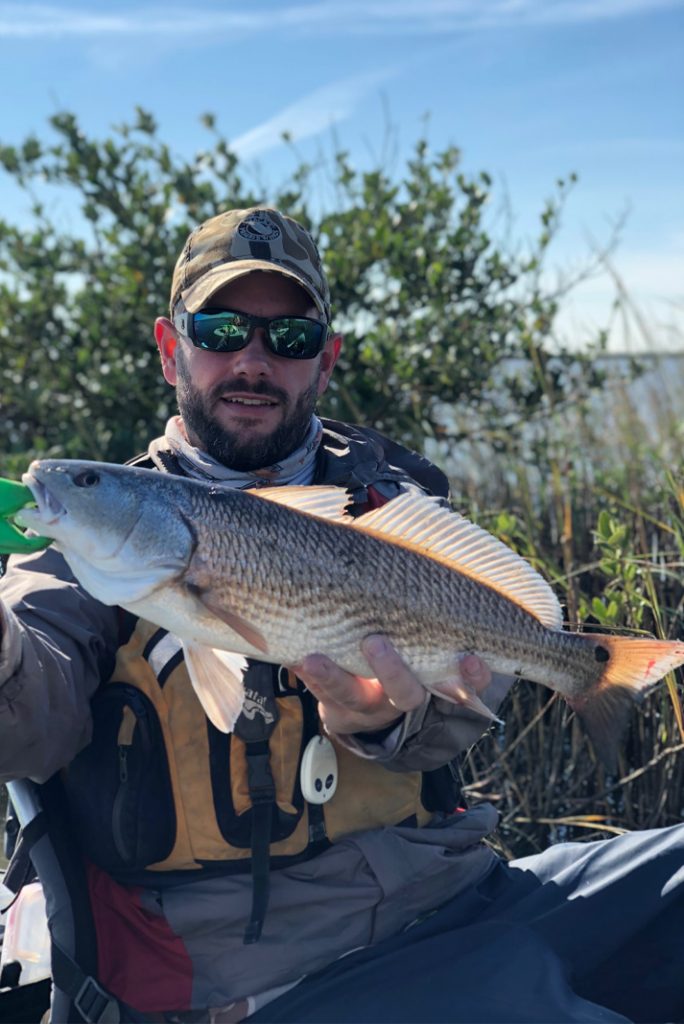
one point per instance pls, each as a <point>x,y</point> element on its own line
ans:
<point>119,787</point>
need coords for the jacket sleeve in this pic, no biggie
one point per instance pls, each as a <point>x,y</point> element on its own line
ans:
<point>57,644</point>
<point>431,735</point>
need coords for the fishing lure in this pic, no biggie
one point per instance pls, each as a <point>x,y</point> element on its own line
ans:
<point>13,497</point>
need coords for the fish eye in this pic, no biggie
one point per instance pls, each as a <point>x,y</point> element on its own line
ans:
<point>88,478</point>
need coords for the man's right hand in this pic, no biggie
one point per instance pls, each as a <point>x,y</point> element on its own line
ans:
<point>353,704</point>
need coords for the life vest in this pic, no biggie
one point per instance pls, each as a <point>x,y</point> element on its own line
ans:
<point>160,789</point>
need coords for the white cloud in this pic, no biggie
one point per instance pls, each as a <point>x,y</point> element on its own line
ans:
<point>318,111</point>
<point>336,17</point>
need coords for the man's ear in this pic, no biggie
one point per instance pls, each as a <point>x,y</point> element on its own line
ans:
<point>329,357</point>
<point>167,340</point>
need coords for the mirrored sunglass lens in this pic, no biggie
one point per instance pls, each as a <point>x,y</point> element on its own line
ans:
<point>220,331</point>
<point>295,338</point>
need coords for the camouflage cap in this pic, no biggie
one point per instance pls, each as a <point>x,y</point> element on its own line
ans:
<point>237,242</point>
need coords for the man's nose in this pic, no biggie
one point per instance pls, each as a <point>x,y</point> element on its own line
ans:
<point>255,357</point>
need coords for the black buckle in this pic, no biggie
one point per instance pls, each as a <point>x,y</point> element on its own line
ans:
<point>95,1005</point>
<point>260,781</point>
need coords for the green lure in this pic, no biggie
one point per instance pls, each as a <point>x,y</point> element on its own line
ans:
<point>13,497</point>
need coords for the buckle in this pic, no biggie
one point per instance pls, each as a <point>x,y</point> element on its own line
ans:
<point>95,1005</point>
<point>260,782</point>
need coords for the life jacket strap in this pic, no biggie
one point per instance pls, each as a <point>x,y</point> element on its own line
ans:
<point>262,793</point>
<point>255,731</point>
<point>20,870</point>
<point>94,1004</point>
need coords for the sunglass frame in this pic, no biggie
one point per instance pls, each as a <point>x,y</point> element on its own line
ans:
<point>185,323</point>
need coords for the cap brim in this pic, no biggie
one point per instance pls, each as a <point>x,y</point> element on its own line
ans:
<point>198,294</point>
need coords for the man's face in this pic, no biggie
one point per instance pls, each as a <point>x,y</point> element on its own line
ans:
<point>252,408</point>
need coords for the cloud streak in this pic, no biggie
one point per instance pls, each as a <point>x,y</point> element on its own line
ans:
<point>332,18</point>
<point>309,116</point>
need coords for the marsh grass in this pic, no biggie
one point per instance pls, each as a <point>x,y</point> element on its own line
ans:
<point>593,494</point>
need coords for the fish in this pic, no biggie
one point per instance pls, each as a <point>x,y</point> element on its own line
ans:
<point>277,573</point>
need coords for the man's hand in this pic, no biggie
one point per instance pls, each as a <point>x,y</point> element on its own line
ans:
<point>348,704</point>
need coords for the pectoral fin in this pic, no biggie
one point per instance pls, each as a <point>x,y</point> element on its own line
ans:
<point>237,623</point>
<point>456,692</point>
<point>216,677</point>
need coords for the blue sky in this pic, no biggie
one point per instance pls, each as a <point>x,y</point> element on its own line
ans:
<point>528,89</point>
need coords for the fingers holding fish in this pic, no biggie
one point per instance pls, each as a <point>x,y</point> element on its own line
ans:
<point>352,704</point>
<point>402,686</point>
<point>346,703</point>
<point>349,703</point>
<point>475,673</point>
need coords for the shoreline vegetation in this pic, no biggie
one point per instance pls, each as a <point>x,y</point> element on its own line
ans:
<point>593,496</point>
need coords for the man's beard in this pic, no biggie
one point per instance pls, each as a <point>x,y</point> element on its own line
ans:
<point>230,447</point>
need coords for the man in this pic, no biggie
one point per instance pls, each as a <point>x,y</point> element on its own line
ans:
<point>313,864</point>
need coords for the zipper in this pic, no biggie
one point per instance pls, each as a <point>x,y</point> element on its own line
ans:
<point>125,737</point>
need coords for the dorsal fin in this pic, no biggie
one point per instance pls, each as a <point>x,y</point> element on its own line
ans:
<point>325,502</point>
<point>422,523</point>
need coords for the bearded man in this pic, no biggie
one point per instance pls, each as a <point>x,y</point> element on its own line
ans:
<point>316,864</point>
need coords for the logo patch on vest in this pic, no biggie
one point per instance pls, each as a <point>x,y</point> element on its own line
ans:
<point>255,704</point>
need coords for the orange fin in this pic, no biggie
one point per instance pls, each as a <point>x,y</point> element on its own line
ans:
<point>424,524</point>
<point>216,677</point>
<point>456,692</point>
<point>633,666</point>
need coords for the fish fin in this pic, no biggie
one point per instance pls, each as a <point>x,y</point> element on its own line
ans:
<point>324,502</point>
<point>456,692</point>
<point>633,666</point>
<point>216,677</point>
<point>245,629</point>
<point>421,523</point>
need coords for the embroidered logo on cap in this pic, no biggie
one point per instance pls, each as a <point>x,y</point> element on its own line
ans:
<point>259,227</point>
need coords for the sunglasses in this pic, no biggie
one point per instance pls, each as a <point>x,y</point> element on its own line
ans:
<point>227,330</point>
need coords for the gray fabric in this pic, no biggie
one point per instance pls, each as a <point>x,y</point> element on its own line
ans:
<point>583,932</point>
<point>425,738</point>
<point>360,891</point>
<point>57,644</point>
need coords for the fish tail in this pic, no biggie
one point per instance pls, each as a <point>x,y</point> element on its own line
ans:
<point>632,667</point>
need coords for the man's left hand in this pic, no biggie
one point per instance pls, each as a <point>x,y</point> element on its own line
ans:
<point>350,704</point>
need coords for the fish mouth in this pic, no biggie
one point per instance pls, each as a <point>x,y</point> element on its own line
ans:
<point>49,508</point>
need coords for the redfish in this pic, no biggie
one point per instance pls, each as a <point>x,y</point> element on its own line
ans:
<point>278,573</point>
